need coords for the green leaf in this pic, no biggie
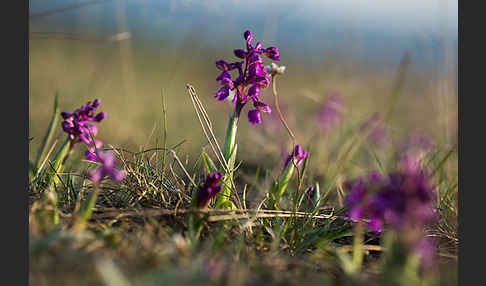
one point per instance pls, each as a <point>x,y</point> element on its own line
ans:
<point>208,163</point>
<point>86,209</point>
<point>346,262</point>
<point>444,160</point>
<point>46,141</point>
<point>57,164</point>
<point>32,169</point>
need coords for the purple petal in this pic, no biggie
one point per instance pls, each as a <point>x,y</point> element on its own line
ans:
<point>90,155</point>
<point>91,129</point>
<point>262,81</point>
<point>95,175</point>
<point>96,103</point>
<point>300,154</point>
<point>83,138</point>
<point>67,126</point>
<point>106,158</point>
<point>223,93</point>
<point>117,175</point>
<point>254,91</point>
<point>209,190</point>
<point>228,83</point>
<point>255,59</point>
<point>254,116</point>
<point>223,75</point>
<point>248,36</point>
<point>355,213</point>
<point>236,65</point>
<point>262,106</point>
<point>240,53</point>
<point>100,116</point>
<point>272,53</point>
<point>375,225</point>
<point>222,65</point>
<point>256,70</point>
<point>66,115</point>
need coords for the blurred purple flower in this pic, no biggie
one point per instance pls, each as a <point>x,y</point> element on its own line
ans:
<point>330,113</point>
<point>107,168</point>
<point>299,154</point>
<point>376,129</point>
<point>362,203</point>
<point>426,249</point>
<point>254,77</point>
<point>209,190</point>
<point>403,199</point>
<point>411,200</point>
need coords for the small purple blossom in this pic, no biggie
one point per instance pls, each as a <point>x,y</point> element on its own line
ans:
<point>299,154</point>
<point>251,79</point>
<point>79,130</point>
<point>330,113</point>
<point>107,168</point>
<point>209,189</point>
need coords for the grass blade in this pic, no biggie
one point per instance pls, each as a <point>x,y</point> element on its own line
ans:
<point>444,160</point>
<point>46,141</point>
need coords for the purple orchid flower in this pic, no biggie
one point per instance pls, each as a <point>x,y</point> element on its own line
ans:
<point>251,79</point>
<point>209,189</point>
<point>78,128</point>
<point>299,154</point>
<point>107,168</point>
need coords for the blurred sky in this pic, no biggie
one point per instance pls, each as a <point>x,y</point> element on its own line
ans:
<point>371,29</point>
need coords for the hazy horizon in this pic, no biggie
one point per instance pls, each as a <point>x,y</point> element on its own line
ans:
<point>383,31</point>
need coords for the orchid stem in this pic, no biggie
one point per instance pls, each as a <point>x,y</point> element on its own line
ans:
<point>229,153</point>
